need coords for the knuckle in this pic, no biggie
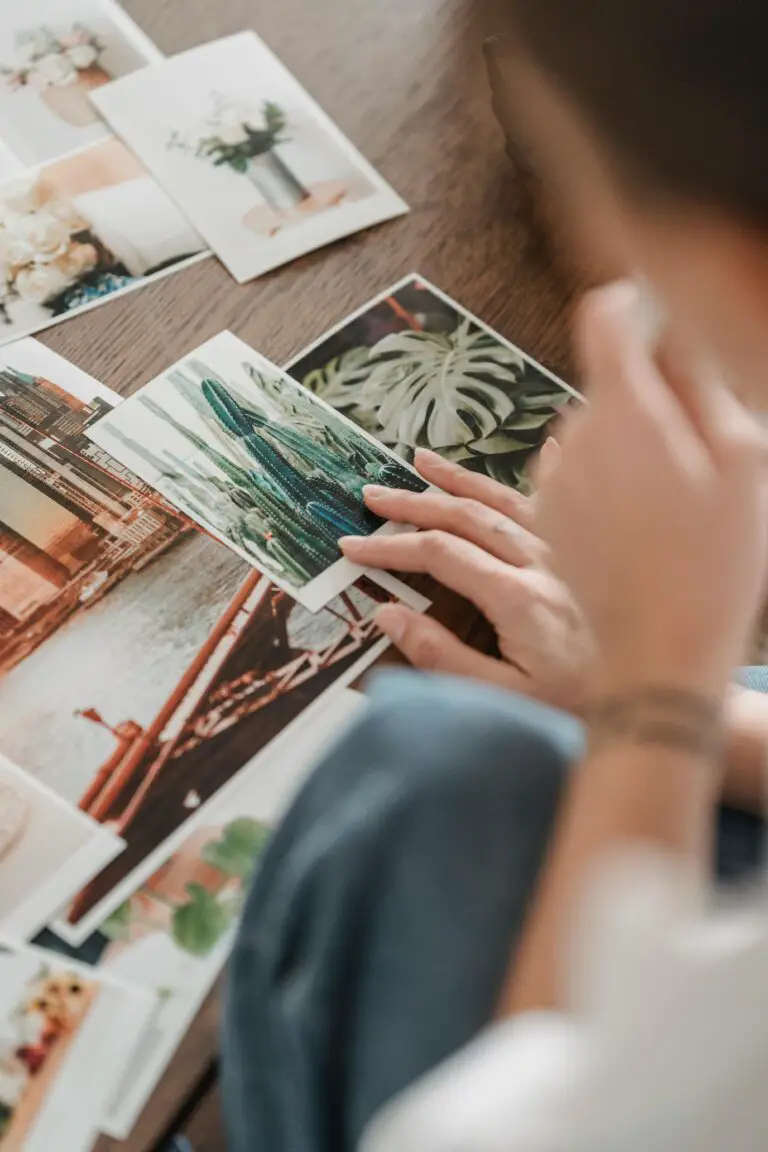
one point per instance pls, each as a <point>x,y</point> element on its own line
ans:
<point>425,649</point>
<point>466,513</point>
<point>436,544</point>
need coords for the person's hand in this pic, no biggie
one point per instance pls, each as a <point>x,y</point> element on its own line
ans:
<point>656,511</point>
<point>479,539</point>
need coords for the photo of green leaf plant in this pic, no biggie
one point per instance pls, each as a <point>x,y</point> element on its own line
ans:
<point>210,903</point>
<point>416,371</point>
<point>241,448</point>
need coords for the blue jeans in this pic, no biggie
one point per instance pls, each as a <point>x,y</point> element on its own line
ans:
<point>380,926</point>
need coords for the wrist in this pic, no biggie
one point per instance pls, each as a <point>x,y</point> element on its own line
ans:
<point>700,678</point>
<point>662,715</point>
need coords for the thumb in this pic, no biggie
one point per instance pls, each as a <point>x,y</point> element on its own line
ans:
<point>431,646</point>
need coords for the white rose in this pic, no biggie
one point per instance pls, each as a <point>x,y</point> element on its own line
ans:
<point>43,232</point>
<point>82,55</point>
<point>35,43</point>
<point>22,195</point>
<point>13,250</point>
<point>65,211</point>
<point>56,70</point>
<point>232,134</point>
<point>77,260</point>
<point>39,282</point>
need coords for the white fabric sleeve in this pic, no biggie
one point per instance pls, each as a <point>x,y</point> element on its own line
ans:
<point>507,1090</point>
<point>665,1045</point>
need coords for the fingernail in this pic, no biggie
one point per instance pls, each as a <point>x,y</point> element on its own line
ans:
<point>550,449</point>
<point>375,491</point>
<point>392,622</point>
<point>351,543</point>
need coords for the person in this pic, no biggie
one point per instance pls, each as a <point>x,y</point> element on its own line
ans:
<point>435,954</point>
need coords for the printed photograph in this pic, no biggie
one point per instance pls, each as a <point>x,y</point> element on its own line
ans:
<point>81,229</point>
<point>173,932</point>
<point>259,462</point>
<point>416,370</point>
<point>263,174</point>
<point>263,665</point>
<point>65,1038</point>
<point>48,850</point>
<point>53,54</point>
<point>73,522</point>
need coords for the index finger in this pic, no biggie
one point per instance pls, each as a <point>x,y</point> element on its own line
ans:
<point>459,481</point>
<point>454,562</point>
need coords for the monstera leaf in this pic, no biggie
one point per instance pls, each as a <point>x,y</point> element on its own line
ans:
<point>237,849</point>
<point>435,389</point>
<point>464,394</point>
<point>506,454</point>
<point>338,382</point>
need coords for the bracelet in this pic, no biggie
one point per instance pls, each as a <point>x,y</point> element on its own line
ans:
<point>664,716</point>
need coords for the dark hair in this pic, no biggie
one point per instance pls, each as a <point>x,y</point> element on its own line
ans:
<point>676,89</point>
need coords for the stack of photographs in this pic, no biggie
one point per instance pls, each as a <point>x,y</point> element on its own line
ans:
<point>118,166</point>
<point>162,693</point>
<point>81,219</point>
<point>153,683</point>
<point>178,626</point>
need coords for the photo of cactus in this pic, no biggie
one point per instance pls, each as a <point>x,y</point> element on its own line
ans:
<point>258,461</point>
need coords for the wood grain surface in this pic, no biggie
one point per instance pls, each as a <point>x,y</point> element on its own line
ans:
<point>406,81</point>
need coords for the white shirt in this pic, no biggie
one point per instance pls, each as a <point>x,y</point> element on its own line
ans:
<point>664,1047</point>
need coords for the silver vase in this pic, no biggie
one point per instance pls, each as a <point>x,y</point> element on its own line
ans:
<point>275,182</point>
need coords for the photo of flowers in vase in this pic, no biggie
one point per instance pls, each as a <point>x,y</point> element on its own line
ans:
<point>262,173</point>
<point>80,229</point>
<point>53,54</point>
<point>66,1035</point>
<point>262,464</point>
<point>416,370</point>
<point>246,140</point>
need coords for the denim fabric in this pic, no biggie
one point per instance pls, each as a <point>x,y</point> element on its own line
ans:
<point>379,928</point>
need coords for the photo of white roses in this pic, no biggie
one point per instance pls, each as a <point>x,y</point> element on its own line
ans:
<point>53,54</point>
<point>81,229</point>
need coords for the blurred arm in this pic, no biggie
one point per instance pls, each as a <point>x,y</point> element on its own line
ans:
<point>625,795</point>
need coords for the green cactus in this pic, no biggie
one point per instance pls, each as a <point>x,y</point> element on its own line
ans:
<point>395,475</point>
<point>339,513</point>
<point>226,409</point>
<point>282,489</point>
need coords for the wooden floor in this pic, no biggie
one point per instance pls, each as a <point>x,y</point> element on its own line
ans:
<point>405,79</point>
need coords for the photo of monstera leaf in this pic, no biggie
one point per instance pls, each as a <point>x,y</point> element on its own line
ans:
<point>439,390</point>
<point>436,379</point>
